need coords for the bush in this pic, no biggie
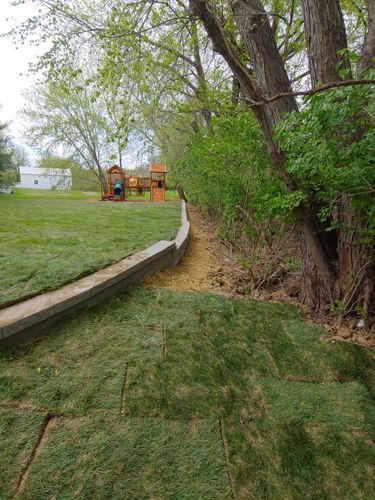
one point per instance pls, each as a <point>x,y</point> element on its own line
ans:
<point>227,172</point>
<point>8,178</point>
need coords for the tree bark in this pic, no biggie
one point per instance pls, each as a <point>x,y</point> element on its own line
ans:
<point>368,51</point>
<point>268,67</point>
<point>327,44</point>
<point>202,90</point>
<point>269,77</point>
<point>318,280</point>
<point>326,40</point>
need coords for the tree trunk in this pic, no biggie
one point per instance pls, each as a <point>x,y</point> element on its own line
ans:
<point>202,92</point>
<point>268,67</point>
<point>269,78</point>
<point>326,39</point>
<point>327,44</point>
<point>368,51</point>
<point>101,177</point>
<point>317,276</point>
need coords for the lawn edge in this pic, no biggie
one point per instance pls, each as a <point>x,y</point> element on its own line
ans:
<point>27,319</point>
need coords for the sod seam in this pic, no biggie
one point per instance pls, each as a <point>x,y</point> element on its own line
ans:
<point>48,421</point>
<point>123,389</point>
<point>164,334</point>
<point>226,458</point>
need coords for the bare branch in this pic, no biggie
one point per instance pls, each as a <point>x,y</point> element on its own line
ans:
<point>323,88</point>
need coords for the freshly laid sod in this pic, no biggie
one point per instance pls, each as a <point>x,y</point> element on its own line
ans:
<point>161,394</point>
<point>108,456</point>
<point>19,433</point>
<point>45,243</point>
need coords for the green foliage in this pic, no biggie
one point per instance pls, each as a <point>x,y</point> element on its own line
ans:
<point>65,116</point>
<point>229,167</point>
<point>83,179</point>
<point>329,147</point>
<point>8,178</point>
<point>8,158</point>
<point>5,149</point>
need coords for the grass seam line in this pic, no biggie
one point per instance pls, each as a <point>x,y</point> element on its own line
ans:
<point>164,334</point>
<point>123,389</point>
<point>226,457</point>
<point>11,405</point>
<point>47,422</point>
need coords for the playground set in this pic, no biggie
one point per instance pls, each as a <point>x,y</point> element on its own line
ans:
<point>122,187</point>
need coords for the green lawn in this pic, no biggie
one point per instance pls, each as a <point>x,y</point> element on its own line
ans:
<point>185,395</point>
<point>56,194</point>
<point>171,195</point>
<point>46,242</point>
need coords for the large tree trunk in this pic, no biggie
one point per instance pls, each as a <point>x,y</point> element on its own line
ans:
<point>318,285</point>
<point>326,37</point>
<point>269,77</point>
<point>327,44</point>
<point>268,67</point>
<point>368,51</point>
<point>202,90</point>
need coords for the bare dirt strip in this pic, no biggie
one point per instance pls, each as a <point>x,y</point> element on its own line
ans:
<point>203,265</point>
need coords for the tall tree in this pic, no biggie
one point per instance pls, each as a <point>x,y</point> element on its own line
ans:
<point>68,117</point>
<point>327,51</point>
<point>267,78</point>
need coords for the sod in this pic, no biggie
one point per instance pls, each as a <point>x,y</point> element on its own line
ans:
<point>295,459</point>
<point>19,433</point>
<point>46,243</point>
<point>292,414</point>
<point>105,456</point>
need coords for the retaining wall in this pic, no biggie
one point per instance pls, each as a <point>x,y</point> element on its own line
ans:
<point>26,320</point>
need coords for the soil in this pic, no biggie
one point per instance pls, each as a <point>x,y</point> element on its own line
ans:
<point>205,265</point>
<point>208,264</point>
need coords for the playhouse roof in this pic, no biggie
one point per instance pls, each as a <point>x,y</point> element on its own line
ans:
<point>115,170</point>
<point>158,168</point>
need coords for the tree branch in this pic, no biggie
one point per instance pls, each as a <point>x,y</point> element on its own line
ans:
<point>323,88</point>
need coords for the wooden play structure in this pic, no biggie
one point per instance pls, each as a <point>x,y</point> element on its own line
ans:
<point>157,175</point>
<point>135,188</point>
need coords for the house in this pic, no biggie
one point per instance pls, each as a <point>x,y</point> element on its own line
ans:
<point>45,178</point>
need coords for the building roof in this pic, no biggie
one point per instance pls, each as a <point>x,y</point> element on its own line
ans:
<point>158,168</point>
<point>49,172</point>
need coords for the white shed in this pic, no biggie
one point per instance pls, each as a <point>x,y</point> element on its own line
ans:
<point>45,178</point>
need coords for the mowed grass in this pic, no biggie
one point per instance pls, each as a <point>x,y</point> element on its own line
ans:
<point>171,195</point>
<point>45,243</point>
<point>27,193</point>
<point>161,394</point>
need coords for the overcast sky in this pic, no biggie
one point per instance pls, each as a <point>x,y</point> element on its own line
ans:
<point>14,65</point>
<point>14,78</point>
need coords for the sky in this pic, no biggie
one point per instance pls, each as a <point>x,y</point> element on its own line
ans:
<point>14,78</point>
<point>14,66</point>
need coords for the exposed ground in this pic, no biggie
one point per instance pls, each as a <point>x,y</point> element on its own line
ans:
<point>206,265</point>
<point>48,242</point>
